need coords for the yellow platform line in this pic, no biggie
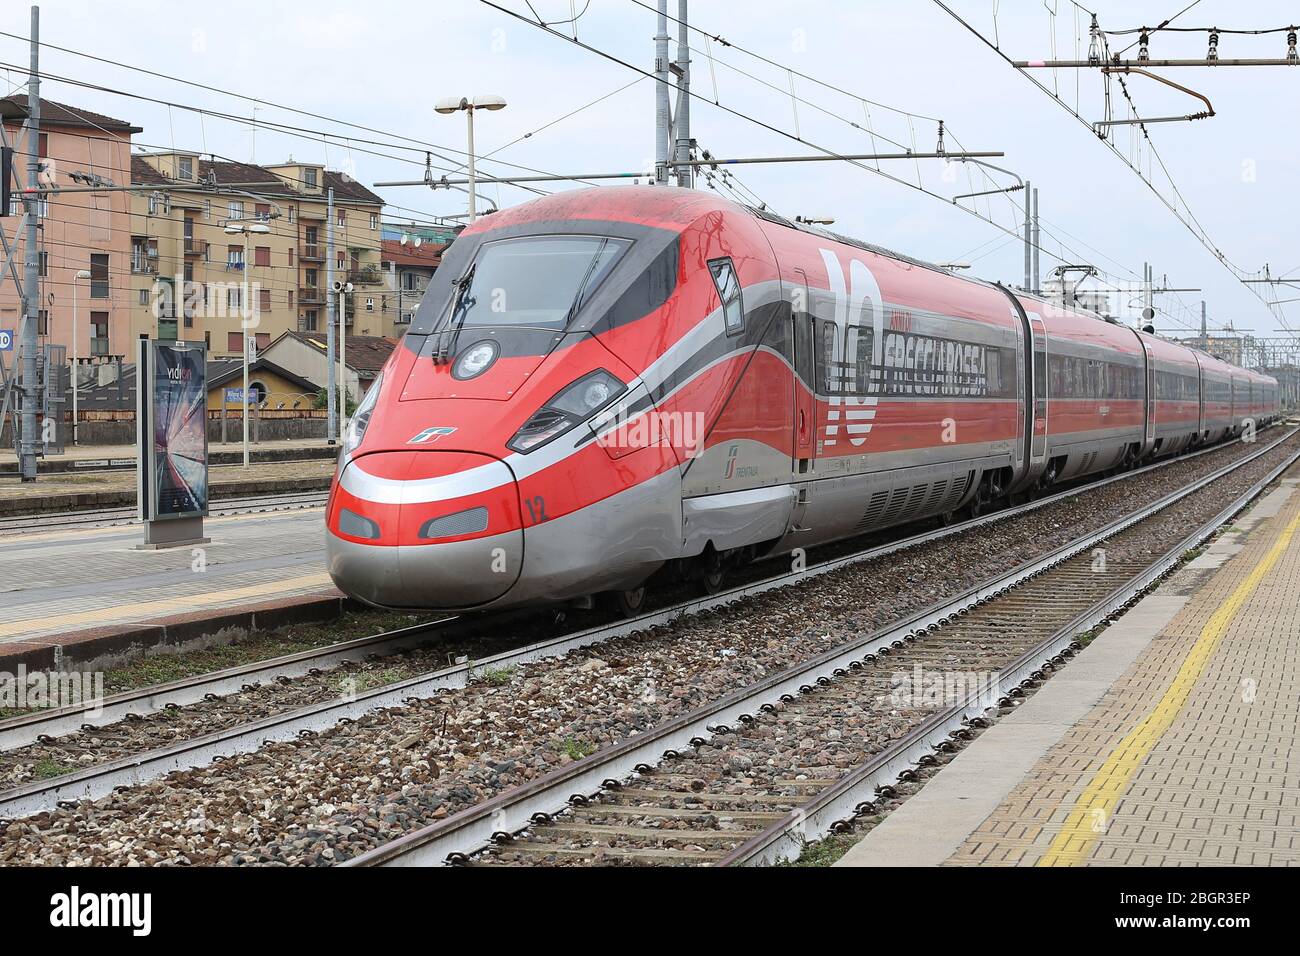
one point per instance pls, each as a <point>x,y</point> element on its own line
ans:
<point>1092,811</point>
<point>129,613</point>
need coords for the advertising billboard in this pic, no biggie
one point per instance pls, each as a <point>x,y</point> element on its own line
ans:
<point>173,417</point>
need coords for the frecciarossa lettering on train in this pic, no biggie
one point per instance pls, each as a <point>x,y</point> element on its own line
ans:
<point>610,387</point>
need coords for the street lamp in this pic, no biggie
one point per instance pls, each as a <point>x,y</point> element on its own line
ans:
<point>83,274</point>
<point>340,294</point>
<point>452,105</point>
<point>246,229</point>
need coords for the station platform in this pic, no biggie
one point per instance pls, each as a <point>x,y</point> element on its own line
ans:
<point>1173,739</point>
<point>63,588</point>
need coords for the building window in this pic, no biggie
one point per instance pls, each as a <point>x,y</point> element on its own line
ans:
<point>44,263</point>
<point>99,333</point>
<point>261,255</point>
<point>187,167</point>
<point>207,209</point>
<point>153,203</point>
<point>234,257</point>
<point>144,296</point>
<point>43,146</point>
<point>293,214</point>
<point>291,298</point>
<point>309,178</point>
<point>374,220</point>
<point>370,304</point>
<point>99,275</point>
<point>235,343</point>
<point>167,330</point>
<point>234,299</point>
<point>263,211</point>
<point>342,217</point>
<point>291,257</point>
<point>309,321</point>
<point>43,322</point>
<point>264,300</point>
<point>235,210</point>
<point>263,340</point>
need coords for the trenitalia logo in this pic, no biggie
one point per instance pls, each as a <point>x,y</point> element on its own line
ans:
<point>431,434</point>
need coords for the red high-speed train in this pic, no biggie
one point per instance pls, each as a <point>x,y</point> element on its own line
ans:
<point>608,382</point>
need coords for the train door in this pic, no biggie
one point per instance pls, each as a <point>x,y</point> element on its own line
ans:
<point>1149,434</point>
<point>803,338</point>
<point>1200,399</point>
<point>1038,444</point>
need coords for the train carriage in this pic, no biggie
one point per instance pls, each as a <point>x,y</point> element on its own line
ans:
<point>606,384</point>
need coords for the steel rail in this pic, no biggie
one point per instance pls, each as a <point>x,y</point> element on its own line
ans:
<point>36,727</point>
<point>96,781</point>
<point>461,835</point>
<point>835,808</point>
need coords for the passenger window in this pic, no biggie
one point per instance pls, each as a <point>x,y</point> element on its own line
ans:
<point>733,310</point>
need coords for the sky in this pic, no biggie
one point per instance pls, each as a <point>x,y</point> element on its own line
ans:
<point>382,65</point>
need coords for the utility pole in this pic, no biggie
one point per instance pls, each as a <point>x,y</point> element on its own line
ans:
<point>663,118</point>
<point>1205,333</point>
<point>330,298</point>
<point>685,174</point>
<point>31,256</point>
<point>1029,235</point>
<point>1038,275</point>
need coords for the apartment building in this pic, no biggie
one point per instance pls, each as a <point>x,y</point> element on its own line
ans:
<point>195,280</point>
<point>410,267</point>
<point>79,231</point>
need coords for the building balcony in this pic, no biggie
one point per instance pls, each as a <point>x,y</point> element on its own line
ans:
<point>311,295</point>
<point>312,253</point>
<point>144,267</point>
<point>193,247</point>
<point>369,275</point>
<point>99,346</point>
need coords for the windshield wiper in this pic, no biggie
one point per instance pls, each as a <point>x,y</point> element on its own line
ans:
<point>581,294</point>
<point>460,306</point>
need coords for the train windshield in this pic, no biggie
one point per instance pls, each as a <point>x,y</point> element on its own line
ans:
<point>535,282</point>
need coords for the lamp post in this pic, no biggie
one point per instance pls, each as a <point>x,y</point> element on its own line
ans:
<point>246,229</point>
<point>341,289</point>
<point>453,104</point>
<point>83,274</point>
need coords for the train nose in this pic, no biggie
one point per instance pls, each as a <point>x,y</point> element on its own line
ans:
<point>425,529</point>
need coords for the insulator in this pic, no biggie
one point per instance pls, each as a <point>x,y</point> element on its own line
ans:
<point>1290,45</point>
<point>1214,45</point>
<point>1143,43</point>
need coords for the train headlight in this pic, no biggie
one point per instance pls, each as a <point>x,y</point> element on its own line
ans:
<point>572,404</point>
<point>475,360</point>
<point>360,419</point>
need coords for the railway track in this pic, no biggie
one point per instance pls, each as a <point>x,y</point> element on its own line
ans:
<point>109,517</point>
<point>697,789</point>
<point>100,780</point>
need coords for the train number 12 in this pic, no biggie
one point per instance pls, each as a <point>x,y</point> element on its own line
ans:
<point>536,508</point>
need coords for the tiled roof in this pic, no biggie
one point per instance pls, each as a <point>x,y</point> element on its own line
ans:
<point>428,255</point>
<point>57,114</point>
<point>144,174</point>
<point>258,179</point>
<point>221,371</point>
<point>366,354</point>
<point>345,187</point>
